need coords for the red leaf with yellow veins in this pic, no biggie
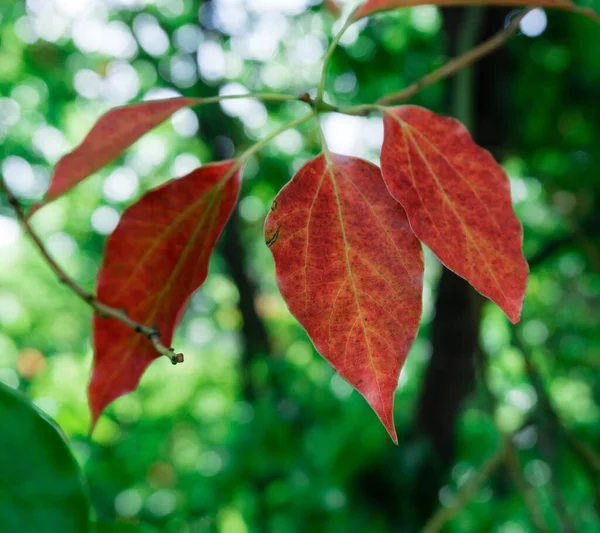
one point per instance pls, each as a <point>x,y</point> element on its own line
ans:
<point>114,132</point>
<point>155,259</point>
<point>457,199</point>
<point>377,6</point>
<point>351,272</point>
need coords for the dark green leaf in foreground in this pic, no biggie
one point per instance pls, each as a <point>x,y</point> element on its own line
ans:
<point>41,487</point>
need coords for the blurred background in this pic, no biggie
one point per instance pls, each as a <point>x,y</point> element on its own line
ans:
<point>255,432</point>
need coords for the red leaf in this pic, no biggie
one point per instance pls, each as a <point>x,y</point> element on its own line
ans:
<point>351,272</point>
<point>114,132</point>
<point>376,6</point>
<point>156,258</point>
<point>333,8</point>
<point>457,199</point>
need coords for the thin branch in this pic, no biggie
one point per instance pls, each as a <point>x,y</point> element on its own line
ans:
<point>266,140</point>
<point>513,464</point>
<point>106,311</point>
<point>586,455</point>
<point>447,70</point>
<point>464,496</point>
<point>329,54</point>
<point>103,310</point>
<point>265,97</point>
<point>458,63</point>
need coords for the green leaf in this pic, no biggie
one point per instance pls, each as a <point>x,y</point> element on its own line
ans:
<point>41,486</point>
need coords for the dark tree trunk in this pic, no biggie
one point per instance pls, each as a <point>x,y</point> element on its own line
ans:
<point>479,100</point>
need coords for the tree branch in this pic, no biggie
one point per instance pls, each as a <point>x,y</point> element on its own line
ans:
<point>464,496</point>
<point>103,310</point>
<point>586,455</point>
<point>447,70</point>
<point>458,63</point>
<point>329,53</point>
<point>513,464</point>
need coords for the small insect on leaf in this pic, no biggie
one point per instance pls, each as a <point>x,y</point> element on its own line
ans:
<point>457,199</point>
<point>156,258</point>
<point>351,271</point>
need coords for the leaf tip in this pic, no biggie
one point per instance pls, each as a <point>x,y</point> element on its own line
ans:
<point>514,315</point>
<point>388,423</point>
<point>385,412</point>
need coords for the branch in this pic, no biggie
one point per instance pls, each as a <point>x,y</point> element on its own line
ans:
<point>329,53</point>
<point>265,97</point>
<point>513,464</point>
<point>444,514</point>
<point>586,455</point>
<point>447,70</point>
<point>102,309</point>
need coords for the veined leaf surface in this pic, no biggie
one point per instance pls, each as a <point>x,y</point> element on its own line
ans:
<point>351,272</point>
<point>457,198</point>
<point>114,132</point>
<point>156,258</point>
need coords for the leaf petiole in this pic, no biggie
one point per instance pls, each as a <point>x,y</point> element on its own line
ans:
<point>265,97</point>
<point>329,54</point>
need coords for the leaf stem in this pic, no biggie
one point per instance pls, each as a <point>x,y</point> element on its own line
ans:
<point>360,110</point>
<point>102,309</point>
<point>329,54</point>
<point>275,133</point>
<point>463,101</point>
<point>447,70</point>
<point>265,97</point>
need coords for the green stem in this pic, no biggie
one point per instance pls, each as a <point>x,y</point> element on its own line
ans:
<point>265,97</point>
<point>241,159</point>
<point>329,53</point>
<point>360,110</point>
<point>462,91</point>
<point>263,142</point>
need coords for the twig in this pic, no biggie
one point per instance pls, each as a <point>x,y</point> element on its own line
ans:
<point>102,309</point>
<point>458,63</point>
<point>586,455</point>
<point>329,53</point>
<point>450,68</point>
<point>444,514</point>
<point>513,464</point>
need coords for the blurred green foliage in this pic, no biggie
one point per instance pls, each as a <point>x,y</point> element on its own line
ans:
<point>255,432</point>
